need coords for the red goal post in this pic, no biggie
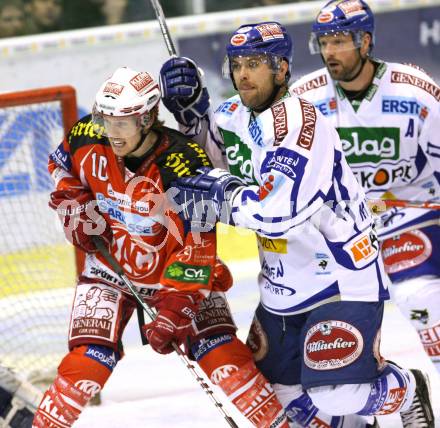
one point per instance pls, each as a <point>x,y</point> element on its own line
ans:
<point>37,266</point>
<point>65,94</point>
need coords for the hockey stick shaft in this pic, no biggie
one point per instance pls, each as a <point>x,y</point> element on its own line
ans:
<point>152,315</point>
<point>163,27</point>
<point>380,205</point>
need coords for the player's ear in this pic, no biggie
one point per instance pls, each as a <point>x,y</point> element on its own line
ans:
<point>280,76</point>
<point>365,44</point>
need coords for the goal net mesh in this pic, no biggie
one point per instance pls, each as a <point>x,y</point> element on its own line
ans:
<point>37,265</point>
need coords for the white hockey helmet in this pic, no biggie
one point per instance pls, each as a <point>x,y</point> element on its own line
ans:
<point>126,94</point>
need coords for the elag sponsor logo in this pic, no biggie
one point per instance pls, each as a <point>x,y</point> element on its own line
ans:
<point>332,344</point>
<point>239,157</point>
<point>370,145</point>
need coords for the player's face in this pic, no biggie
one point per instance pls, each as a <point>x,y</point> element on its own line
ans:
<point>124,134</point>
<point>46,12</point>
<point>11,21</point>
<point>340,56</point>
<point>254,78</point>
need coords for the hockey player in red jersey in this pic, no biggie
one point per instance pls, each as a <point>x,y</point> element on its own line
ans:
<point>111,175</point>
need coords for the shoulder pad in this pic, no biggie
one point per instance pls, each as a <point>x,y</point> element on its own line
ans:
<point>182,158</point>
<point>83,133</point>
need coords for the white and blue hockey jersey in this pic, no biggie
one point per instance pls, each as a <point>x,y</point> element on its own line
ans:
<point>314,230</point>
<point>390,138</point>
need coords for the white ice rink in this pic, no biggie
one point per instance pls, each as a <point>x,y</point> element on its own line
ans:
<point>148,390</point>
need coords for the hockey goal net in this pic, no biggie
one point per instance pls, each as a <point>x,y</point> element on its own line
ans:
<point>37,265</point>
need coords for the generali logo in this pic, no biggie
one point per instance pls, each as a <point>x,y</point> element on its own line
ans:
<point>430,88</point>
<point>279,122</point>
<point>307,133</point>
<point>315,83</point>
<point>332,344</point>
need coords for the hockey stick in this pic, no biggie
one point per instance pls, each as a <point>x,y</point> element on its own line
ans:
<point>152,315</point>
<point>163,27</point>
<point>378,206</point>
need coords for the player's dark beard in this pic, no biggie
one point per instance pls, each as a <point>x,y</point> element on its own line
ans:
<point>269,101</point>
<point>348,75</point>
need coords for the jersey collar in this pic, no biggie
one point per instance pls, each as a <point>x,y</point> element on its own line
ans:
<point>372,89</point>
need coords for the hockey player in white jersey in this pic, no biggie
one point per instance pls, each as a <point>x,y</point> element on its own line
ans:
<point>316,331</point>
<point>387,116</point>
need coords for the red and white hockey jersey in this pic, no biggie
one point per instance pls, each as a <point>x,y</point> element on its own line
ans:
<point>150,241</point>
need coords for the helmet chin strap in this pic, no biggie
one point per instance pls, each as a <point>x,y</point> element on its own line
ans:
<point>144,136</point>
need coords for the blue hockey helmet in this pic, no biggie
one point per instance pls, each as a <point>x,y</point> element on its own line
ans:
<point>265,38</point>
<point>342,16</point>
